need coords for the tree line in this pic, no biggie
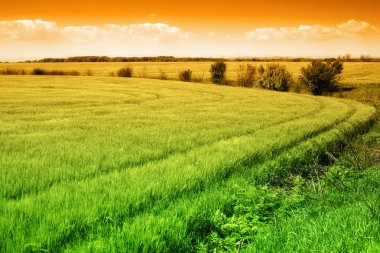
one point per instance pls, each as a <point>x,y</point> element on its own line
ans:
<point>344,58</point>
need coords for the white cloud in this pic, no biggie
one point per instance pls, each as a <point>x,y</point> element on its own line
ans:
<point>350,29</point>
<point>38,30</point>
<point>34,39</point>
<point>28,30</point>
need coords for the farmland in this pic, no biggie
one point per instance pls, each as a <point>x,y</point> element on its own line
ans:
<point>354,72</point>
<point>111,164</point>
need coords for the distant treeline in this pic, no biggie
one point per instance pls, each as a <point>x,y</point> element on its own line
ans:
<point>345,58</point>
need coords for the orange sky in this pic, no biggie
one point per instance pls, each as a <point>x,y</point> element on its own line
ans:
<point>198,19</point>
<point>194,13</point>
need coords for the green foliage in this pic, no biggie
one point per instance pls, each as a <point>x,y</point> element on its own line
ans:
<point>252,208</point>
<point>125,72</point>
<point>342,204</point>
<point>275,77</point>
<point>185,75</point>
<point>246,76</point>
<point>218,72</point>
<point>321,76</point>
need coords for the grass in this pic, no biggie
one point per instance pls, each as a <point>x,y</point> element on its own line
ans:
<point>113,164</point>
<point>353,73</point>
<point>340,213</point>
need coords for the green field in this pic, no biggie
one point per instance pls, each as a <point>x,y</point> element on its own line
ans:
<point>136,165</point>
<point>354,72</point>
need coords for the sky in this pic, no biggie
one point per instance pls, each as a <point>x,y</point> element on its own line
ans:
<point>239,28</point>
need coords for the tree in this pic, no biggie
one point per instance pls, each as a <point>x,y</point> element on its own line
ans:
<point>246,76</point>
<point>218,71</point>
<point>275,77</point>
<point>321,76</point>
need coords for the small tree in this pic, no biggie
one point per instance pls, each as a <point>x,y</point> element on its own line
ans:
<point>321,76</point>
<point>275,77</point>
<point>246,76</point>
<point>125,72</point>
<point>218,71</point>
<point>185,75</point>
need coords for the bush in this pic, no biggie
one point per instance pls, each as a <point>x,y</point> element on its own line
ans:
<point>125,72</point>
<point>321,76</point>
<point>246,76</point>
<point>185,75</point>
<point>38,71</point>
<point>275,77</point>
<point>11,71</point>
<point>143,73</point>
<point>218,71</point>
<point>55,73</point>
<point>163,75</point>
<point>89,72</point>
<point>74,73</point>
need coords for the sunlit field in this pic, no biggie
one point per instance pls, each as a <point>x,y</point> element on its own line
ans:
<point>354,72</point>
<point>138,165</point>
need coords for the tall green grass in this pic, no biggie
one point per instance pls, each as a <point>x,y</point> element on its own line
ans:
<point>140,164</point>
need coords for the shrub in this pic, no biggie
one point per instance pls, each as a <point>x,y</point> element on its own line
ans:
<point>321,76</point>
<point>260,70</point>
<point>198,78</point>
<point>185,75</point>
<point>218,71</point>
<point>89,72</point>
<point>246,76</point>
<point>55,72</point>
<point>38,71</point>
<point>125,72</point>
<point>74,73</point>
<point>163,75</point>
<point>275,77</point>
<point>143,73</point>
<point>11,71</point>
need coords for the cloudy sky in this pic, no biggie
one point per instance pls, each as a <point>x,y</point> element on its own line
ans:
<point>45,28</point>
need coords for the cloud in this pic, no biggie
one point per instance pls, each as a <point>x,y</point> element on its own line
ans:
<point>349,29</point>
<point>29,30</point>
<point>34,39</point>
<point>38,30</point>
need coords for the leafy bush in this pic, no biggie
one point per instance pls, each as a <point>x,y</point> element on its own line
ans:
<point>275,77</point>
<point>125,72</point>
<point>246,76</point>
<point>38,71</point>
<point>321,76</point>
<point>185,75</point>
<point>218,71</point>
